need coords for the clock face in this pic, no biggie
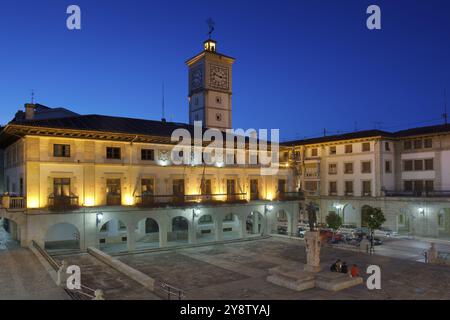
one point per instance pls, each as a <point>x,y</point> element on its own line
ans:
<point>218,77</point>
<point>196,78</point>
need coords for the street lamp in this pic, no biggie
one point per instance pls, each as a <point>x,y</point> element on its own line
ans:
<point>99,217</point>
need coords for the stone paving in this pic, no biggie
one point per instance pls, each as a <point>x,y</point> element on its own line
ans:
<point>22,276</point>
<point>97,275</point>
<point>239,270</point>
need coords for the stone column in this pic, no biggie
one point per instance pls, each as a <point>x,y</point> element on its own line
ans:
<point>162,235</point>
<point>192,233</point>
<point>218,229</point>
<point>242,227</point>
<point>255,218</point>
<point>131,238</point>
<point>312,243</point>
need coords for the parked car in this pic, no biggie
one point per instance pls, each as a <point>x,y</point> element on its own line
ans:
<point>301,232</point>
<point>384,232</point>
<point>327,233</point>
<point>282,229</point>
<point>361,232</point>
<point>377,241</point>
<point>347,228</point>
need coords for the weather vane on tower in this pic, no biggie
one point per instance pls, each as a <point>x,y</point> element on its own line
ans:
<point>211,25</point>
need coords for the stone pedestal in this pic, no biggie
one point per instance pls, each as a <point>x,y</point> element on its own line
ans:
<point>313,244</point>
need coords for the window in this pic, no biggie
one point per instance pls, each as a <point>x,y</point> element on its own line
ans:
<point>407,165</point>
<point>332,188</point>
<point>407,185</point>
<point>311,185</point>
<point>366,147</point>
<point>112,153</point>
<point>207,218</point>
<point>218,100</point>
<point>218,117</point>
<point>418,185</point>
<point>205,186</point>
<point>148,187</point>
<point>348,167</point>
<point>61,187</point>
<point>332,168</point>
<point>387,146</point>
<point>348,148</point>
<point>407,145</point>
<point>348,187</point>
<point>314,152</point>
<point>148,154</point>
<point>387,166</point>
<point>282,186</point>
<point>401,219</point>
<point>366,167</point>
<point>417,144</point>
<point>428,143</point>
<point>429,165</point>
<point>61,150</point>
<point>366,188</point>
<point>121,226</point>
<point>332,150</point>
<point>418,165</point>
<point>228,217</point>
<point>429,185</point>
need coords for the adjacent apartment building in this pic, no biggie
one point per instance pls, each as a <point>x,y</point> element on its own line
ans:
<point>405,173</point>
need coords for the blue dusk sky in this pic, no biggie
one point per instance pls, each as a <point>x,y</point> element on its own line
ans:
<point>301,66</point>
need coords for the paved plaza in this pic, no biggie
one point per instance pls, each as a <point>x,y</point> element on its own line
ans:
<point>239,270</point>
<point>22,276</point>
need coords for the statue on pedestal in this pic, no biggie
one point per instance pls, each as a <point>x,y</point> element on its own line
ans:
<point>312,241</point>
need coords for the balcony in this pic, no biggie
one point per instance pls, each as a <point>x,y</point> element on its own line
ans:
<point>13,202</point>
<point>63,203</point>
<point>290,196</point>
<point>312,175</point>
<point>155,201</point>
<point>418,193</point>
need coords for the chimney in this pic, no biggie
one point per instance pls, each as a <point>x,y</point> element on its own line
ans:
<point>29,111</point>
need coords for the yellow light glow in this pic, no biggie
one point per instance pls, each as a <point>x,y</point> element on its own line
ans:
<point>32,203</point>
<point>129,201</point>
<point>269,196</point>
<point>89,202</point>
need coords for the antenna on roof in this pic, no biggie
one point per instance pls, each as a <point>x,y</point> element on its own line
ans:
<point>445,115</point>
<point>32,96</point>
<point>324,132</point>
<point>163,119</point>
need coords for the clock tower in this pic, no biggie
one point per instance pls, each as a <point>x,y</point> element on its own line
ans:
<point>210,87</point>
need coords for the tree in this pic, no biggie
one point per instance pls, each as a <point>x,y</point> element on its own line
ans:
<point>375,219</point>
<point>333,220</point>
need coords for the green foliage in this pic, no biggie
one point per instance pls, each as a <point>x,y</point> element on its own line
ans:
<point>333,220</point>
<point>375,218</point>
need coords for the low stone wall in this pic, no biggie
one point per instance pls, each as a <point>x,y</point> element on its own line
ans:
<point>123,268</point>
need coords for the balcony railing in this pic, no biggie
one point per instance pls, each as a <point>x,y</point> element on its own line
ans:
<point>186,200</point>
<point>13,202</point>
<point>289,196</point>
<point>418,193</point>
<point>63,203</point>
<point>312,174</point>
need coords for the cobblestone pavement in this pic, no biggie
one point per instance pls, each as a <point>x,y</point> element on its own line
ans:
<point>97,275</point>
<point>22,276</point>
<point>239,270</point>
